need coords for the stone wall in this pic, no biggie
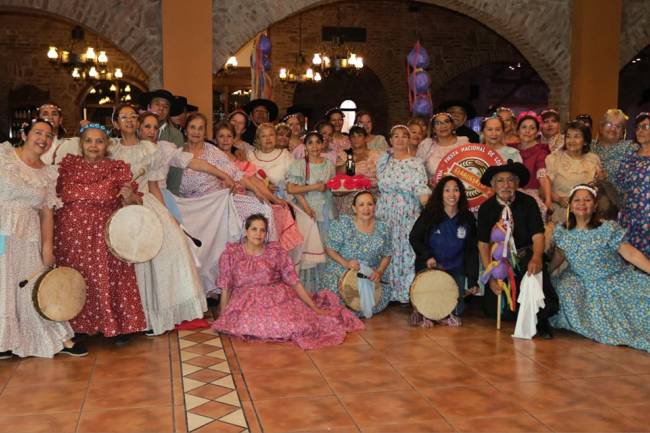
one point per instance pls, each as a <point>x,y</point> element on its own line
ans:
<point>635,29</point>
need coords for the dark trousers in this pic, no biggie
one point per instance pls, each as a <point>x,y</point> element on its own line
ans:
<point>551,301</point>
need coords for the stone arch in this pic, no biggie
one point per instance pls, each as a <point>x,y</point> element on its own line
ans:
<point>541,32</point>
<point>635,29</point>
<point>134,28</point>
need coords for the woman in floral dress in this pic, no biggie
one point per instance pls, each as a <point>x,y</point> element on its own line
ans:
<point>402,182</point>
<point>601,296</point>
<point>92,188</point>
<point>263,298</point>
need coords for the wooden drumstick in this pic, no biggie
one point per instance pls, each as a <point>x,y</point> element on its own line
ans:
<point>196,241</point>
<point>24,282</point>
<point>134,178</point>
<point>499,311</point>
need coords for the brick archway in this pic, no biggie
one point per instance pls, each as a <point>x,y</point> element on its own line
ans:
<point>133,27</point>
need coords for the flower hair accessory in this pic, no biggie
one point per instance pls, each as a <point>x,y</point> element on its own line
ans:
<point>643,113</point>
<point>592,190</point>
<point>531,114</point>
<point>94,126</point>
<point>508,109</point>
<point>400,126</point>
<point>48,105</point>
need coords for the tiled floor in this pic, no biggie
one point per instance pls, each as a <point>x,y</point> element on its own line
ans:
<point>387,378</point>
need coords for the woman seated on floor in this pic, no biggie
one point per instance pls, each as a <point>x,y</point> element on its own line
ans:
<point>262,297</point>
<point>601,296</point>
<point>361,243</point>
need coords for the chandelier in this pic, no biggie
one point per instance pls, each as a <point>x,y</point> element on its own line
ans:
<point>338,58</point>
<point>83,65</point>
<point>301,72</point>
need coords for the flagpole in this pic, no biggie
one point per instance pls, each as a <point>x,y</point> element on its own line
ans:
<point>499,311</point>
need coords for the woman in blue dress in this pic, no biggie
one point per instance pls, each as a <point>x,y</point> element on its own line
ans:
<point>357,240</point>
<point>601,296</point>
<point>402,182</point>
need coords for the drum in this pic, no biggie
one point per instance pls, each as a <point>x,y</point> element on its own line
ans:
<point>134,234</point>
<point>349,290</point>
<point>434,294</point>
<point>59,294</point>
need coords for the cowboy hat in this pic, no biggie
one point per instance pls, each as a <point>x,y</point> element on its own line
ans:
<point>516,168</point>
<point>469,109</point>
<point>266,103</point>
<point>147,97</point>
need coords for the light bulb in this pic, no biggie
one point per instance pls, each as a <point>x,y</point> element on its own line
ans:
<point>283,73</point>
<point>90,54</point>
<point>317,59</point>
<point>93,72</point>
<point>309,74</point>
<point>352,60</point>
<point>93,91</point>
<point>232,62</point>
<point>127,97</point>
<point>75,73</point>
<point>127,89</point>
<point>317,77</point>
<point>112,88</point>
<point>102,58</point>
<point>118,73</point>
<point>359,63</point>
<point>52,54</point>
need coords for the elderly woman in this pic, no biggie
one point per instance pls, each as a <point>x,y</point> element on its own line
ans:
<point>262,297</point>
<point>610,148</point>
<point>27,197</point>
<point>442,141</point>
<point>509,126</point>
<point>273,162</point>
<point>359,242</point>
<point>402,182</point>
<point>569,166</point>
<point>92,188</point>
<point>340,141</point>
<point>375,142</point>
<point>533,155</point>
<point>492,129</point>
<point>170,287</point>
<point>601,296</point>
<point>634,181</point>
<point>365,164</point>
<point>284,135</point>
<point>551,134</point>
<point>61,146</point>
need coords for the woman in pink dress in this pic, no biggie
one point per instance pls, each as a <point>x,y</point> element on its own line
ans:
<point>262,297</point>
<point>340,141</point>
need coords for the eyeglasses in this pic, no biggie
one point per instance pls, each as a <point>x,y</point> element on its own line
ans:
<point>128,117</point>
<point>610,125</point>
<point>645,126</point>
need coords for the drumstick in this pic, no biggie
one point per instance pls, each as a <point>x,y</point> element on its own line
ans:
<point>196,241</point>
<point>499,311</point>
<point>24,282</point>
<point>134,178</point>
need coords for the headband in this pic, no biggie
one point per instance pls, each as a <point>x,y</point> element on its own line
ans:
<point>400,126</point>
<point>444,113</point>
<point>641,114</point>
<point>508,109</point>
<point>94,126</point>
<point>281,125</point>
<point>549,111</point>
<point>592,190</point>
<point>493,116</point>
<point>334,110</point>
<point>289,116</point>
<point>50,106</point>
<point>316,133</point>
<point>530,114</point>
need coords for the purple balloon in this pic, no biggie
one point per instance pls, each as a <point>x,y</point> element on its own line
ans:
<point>501,271</point>
<point>422,82</point>
<point>497,235</point>
<point>498,251</point>
<point>422,106</point>
<point>265,44</point>
<point>266,62</point>
<point>418,58</point>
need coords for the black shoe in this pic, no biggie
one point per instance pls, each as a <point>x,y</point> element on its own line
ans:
<point>122,340</point>
<point>213,302</point>
<point>150,333</point>
<point>544,330</point>
<point>78,350</point>
<point>6,355</point>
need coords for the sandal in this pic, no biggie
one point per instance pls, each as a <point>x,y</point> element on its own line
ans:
<point>451,321</point>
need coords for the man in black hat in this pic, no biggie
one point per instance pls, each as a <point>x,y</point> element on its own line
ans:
<point>259,111</point>
<point>178,115</point>
<point>528,235</point>
<point>460,111</point>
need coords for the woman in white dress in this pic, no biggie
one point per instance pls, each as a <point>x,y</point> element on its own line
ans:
<point>27,199</point>
<point>61,146</point>
<point>274,162</point>
<point>170,287</point>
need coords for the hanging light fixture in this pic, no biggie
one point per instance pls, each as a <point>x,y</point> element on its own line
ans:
<point>82,65</point>
<point>296,75</point>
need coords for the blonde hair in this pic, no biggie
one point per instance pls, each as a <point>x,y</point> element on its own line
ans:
<point>259,129</point>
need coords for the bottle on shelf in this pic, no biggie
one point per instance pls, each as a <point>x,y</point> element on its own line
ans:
<point>349,165</point>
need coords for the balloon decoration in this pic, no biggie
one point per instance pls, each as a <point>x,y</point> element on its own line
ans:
<point>419,82</point>
<point>260,67</point>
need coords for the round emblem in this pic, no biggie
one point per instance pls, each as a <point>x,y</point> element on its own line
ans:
<point>468,163</point>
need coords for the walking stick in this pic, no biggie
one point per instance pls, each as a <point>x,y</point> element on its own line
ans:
<point>499,311</point>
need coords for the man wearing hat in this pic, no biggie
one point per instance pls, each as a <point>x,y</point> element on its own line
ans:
<point>527,233</point>
<point>178,114</point>
<point>259,111</point>
<point>162,102</point>
<point>461,111</point>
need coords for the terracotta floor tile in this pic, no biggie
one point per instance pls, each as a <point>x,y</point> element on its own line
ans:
<point>430,375</point>
<point>199,337</point>
<point>522,423</point>
<point>638,412</point>
<point>633,360</point>
<point>395,407</point>
<point>581,364</point>
<point>336,357</point>
<point>471,401</point>
<point>241,386</point>
<point>7,368</point>
<point>206,375</point>
<point>219,427</point>
<point>548,396</point>
<point>590,420</point>
<point>250,360</point>
<point>46,423</point>
<point>415,352</point>
<point>435,426</point>
<point>204,361</point>
<point>143,392</point>
<point>213,409</point>
<point>53,372</point>
<point>136,420</point>
<point>251,416</point>
<point>616,391</point>
<point>180,421</point>
<point>515,368</point>
<point>291,383</point>
<point>364,378</point>
<point>131,367</point>
<point>304,414</point>
<point>563,343</point>
<point>354,338</point>
<point>201,348</point>
<point>399,334</point>
<point>210,391</point>
<point>38,399</point>
<point>137,345</point>
<point>478,347</point>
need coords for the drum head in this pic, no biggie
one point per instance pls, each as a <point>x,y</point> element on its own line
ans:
<point>434,294</point>
<point>134,234</point>
<point>60,294</point>
<point>349,290</point>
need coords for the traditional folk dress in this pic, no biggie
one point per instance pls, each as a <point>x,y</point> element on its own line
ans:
<point>59,149</point>
<point>89,194</point>
<point>634,181</point>
<point>24,191</point>
<point>264,305</point>
<point>170,287</point>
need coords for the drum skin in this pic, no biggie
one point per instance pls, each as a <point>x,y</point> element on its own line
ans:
<point>59,294</point>
<point>434,294</point>
<point>349,290</point>
<point>134,234</point>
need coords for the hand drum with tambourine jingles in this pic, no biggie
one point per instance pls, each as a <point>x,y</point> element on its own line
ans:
<point>134,234</point>
<point>59,294</point>
<point>349,290</point>
<point>434,294</point>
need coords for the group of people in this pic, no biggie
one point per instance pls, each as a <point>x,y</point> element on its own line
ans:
<point>276,239</point>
